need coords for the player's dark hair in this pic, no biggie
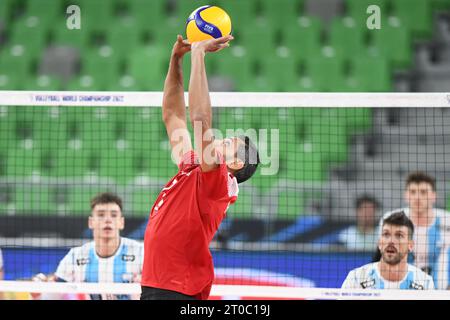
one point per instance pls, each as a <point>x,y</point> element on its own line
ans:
<point>366,198</point>
<point>106,197</point>
<point>418,177</point>
<point>399,218</point>
<point>248,153</point>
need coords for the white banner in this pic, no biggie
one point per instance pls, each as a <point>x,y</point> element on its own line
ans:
<point>229,99</point>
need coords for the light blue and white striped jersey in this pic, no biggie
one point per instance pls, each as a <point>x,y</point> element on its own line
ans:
<point>428,241</point>
<point>369,277</point>
<point>82,264</point>
<point>443,270</point>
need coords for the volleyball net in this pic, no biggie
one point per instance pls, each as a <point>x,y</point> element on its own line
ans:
<point>295,231</point>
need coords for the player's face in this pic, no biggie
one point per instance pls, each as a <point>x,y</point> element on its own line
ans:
<point>394,244</point>
<point>420,196</point>
<point>366,213</point>
<point>228,147</point>
<point>106,221</point>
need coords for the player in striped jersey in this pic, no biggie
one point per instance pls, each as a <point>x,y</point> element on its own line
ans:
<point>109,258</point>
<point>432,225</point>
<point>393,270</point>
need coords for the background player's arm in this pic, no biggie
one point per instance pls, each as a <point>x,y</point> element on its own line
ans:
<point>199,100</point>
<point>173,105</point>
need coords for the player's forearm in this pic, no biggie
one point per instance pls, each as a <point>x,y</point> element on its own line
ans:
<point>199,100</point>
<point>173,98</point>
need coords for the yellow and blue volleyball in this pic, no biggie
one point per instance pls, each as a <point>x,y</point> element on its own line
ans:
<point>207,22</point>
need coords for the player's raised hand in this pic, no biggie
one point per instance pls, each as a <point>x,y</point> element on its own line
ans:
<point>40,277</point>
<point>181,47</point>
<point>212,45</point>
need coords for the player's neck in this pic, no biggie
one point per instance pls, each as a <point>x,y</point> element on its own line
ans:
<point>422,218</point>
<point>107,247</point>
<point>393,273</point>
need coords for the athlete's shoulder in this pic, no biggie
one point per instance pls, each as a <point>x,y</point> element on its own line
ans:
<point>419,275</point>
<point>365,270</point>
<point>133,248</point>
<point>82,250</point>
<point>132,243</point>
<point>73,260</point>
<point>361,277</point>
<point>442,214</point>
<point>421,279</point>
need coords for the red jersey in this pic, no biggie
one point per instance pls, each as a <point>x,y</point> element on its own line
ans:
<point>183,221</point>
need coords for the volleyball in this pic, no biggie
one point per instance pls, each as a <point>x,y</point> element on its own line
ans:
<point>207,22</point>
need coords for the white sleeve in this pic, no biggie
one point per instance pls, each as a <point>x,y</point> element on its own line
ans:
<point>66,267</point>
<point>350,282</point>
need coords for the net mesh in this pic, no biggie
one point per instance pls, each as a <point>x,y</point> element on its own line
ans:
<point>295,224</point>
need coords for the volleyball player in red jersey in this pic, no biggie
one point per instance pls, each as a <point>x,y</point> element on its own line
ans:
<point>188,211</point>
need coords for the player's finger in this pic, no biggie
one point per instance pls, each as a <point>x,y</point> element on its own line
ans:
<point>222,46</point>
<point>224,39</point>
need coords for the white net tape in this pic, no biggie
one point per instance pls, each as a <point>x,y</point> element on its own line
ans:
<point>229,99</point>
<point>229,292</point>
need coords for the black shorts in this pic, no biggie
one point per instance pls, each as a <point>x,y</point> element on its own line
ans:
<point>149,293</point>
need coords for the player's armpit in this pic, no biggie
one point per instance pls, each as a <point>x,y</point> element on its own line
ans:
<point>179,137</point>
